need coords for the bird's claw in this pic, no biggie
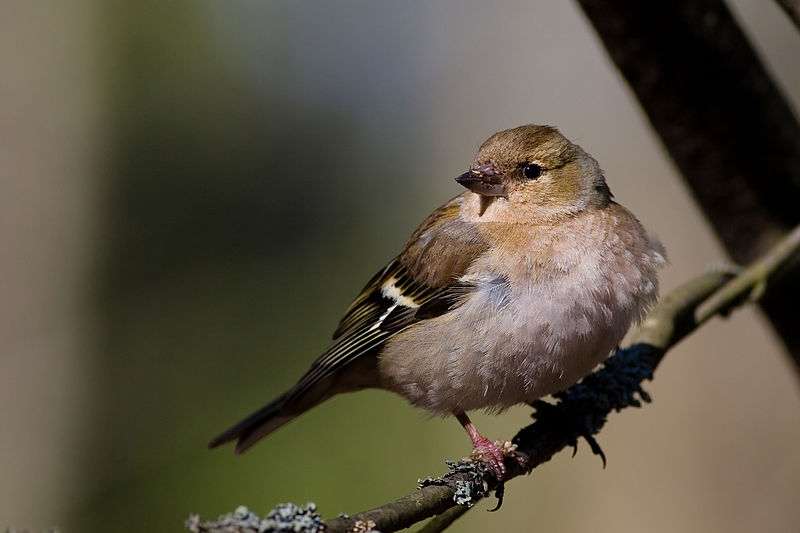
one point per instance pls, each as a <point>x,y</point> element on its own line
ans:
<point>494,454</point>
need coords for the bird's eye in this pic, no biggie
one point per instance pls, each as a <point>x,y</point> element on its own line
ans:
<point>532,171</point>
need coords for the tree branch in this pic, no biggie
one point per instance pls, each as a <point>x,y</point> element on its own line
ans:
<point>752,282</point>
<point>722,119</point>
<point>443,521</point>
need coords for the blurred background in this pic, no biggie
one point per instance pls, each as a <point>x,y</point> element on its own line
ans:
<point>191,194</point>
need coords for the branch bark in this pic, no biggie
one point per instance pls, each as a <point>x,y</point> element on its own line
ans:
<point>444,520</point>
<point>721,117</point>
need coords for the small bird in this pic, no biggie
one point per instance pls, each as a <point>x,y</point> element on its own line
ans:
<point>513,290</point>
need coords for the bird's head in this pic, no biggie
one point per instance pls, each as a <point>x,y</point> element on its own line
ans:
<point>536,170</point>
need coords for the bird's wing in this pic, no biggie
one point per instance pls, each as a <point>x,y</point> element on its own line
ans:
<point>421,283</point>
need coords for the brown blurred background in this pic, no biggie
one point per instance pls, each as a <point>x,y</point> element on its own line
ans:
<point>193,191</point>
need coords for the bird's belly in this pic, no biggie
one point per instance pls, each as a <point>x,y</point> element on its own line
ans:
<point>500,349</point>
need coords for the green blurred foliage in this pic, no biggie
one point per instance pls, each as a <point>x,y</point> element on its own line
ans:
<point>230,207</point>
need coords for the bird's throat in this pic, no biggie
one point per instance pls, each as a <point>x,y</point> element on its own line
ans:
<point>486,201</point>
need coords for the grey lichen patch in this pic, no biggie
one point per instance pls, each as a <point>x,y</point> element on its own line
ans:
<point>465,493</point>
<point>286,517</point>
<point>470,485</point>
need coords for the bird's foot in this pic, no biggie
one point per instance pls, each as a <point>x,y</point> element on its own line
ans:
<point>494,455</point>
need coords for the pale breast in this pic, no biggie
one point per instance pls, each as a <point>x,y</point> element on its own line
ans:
<point>536,322</point>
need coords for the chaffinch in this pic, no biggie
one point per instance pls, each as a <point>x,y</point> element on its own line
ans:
<point>513,290</point>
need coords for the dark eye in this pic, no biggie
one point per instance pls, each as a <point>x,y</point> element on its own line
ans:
<point>532,172</point>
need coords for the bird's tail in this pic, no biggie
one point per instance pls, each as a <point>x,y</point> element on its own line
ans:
<point>257,425</point>
<point>297,401</point>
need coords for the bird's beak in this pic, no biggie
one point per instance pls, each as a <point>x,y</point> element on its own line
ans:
<point>484,180</point>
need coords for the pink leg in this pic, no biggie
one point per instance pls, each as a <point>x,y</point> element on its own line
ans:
<point>485,450</point>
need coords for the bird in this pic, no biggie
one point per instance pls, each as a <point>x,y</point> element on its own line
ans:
<point>511,291</point>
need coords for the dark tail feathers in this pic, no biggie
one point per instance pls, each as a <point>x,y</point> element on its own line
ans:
<point>256,426</point>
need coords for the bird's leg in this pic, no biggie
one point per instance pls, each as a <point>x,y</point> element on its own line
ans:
<point>484,450</point>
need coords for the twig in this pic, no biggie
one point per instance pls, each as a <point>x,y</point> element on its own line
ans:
<point>752,282</point>
<point>443,521</point>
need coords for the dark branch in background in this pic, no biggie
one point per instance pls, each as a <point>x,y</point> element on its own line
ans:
<point>792,9</point>
<point>722,119</point>
<point>580,411</point>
